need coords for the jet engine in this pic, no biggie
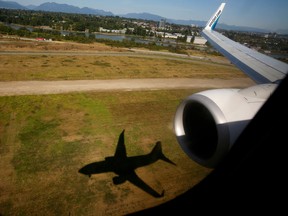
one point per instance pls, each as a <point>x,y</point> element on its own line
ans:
<point>208,123</point>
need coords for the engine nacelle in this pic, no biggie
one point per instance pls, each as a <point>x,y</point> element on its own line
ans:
<point>208,123</point>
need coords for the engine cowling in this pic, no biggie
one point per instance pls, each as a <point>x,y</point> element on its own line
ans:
<point>208,123</point>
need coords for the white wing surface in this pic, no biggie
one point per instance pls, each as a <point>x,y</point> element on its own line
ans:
<point>259,67</point>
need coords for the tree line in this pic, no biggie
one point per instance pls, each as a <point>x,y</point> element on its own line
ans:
<point>75,23</point>
<point>82,22</point>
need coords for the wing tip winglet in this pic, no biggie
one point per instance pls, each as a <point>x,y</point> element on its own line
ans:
<point>211,24</point>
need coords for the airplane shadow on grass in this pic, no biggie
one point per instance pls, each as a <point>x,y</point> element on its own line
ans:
<point>125,166</point>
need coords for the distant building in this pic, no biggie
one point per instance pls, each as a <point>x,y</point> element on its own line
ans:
<point>46,27</point>
<point>117,31</point>
<point>200,40</point>
<point>162,24</point>
<point>189,39</point>
<point>40,39</point>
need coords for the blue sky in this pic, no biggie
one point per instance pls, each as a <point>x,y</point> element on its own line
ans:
<point>267,14</point>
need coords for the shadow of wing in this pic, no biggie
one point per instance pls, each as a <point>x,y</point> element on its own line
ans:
<point>96,168</point>
<point>134,179</point>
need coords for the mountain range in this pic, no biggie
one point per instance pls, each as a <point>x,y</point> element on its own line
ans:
<point>55,7</point>
<point>65,8</point>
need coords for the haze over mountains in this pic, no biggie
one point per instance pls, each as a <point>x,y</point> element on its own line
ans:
<point>55,7</point>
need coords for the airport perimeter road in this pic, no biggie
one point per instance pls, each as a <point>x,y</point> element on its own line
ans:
<point>58,87</point>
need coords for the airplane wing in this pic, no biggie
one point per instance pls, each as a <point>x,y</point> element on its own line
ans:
<point>259,67</point>
<point>120,152</point>
<point>208,123</point>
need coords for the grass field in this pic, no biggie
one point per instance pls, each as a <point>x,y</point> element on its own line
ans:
<point>44,140</point>
<point>53,67</point>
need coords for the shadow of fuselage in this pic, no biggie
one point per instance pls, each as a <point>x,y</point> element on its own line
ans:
<point>125,166</point>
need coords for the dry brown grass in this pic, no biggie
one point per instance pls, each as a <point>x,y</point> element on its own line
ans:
<point>74,65</point>
<point>59,67</point>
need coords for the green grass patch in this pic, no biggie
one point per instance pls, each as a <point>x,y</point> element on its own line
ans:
<point>38,135</point>
<point>46,139</point>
